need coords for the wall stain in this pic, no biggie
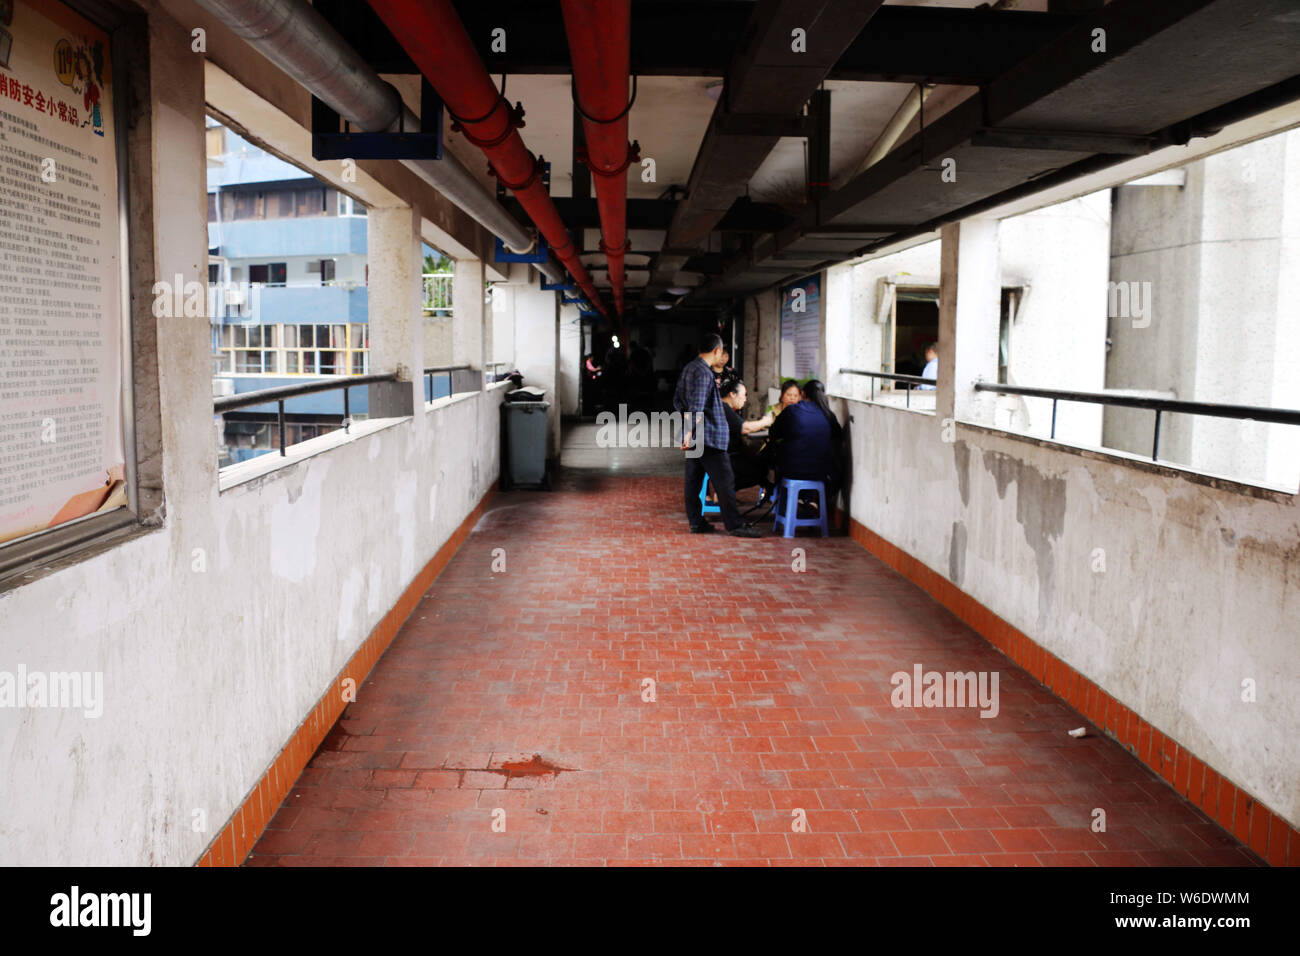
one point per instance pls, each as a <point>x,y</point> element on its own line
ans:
<point>1040,512</point>
<point>957,553</point>
<point>961,458</point>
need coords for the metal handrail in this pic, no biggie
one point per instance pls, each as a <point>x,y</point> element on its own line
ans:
<point>432,370</point>
<point>282,393</point>
<point>909,380</point>
<point>1259,413</point>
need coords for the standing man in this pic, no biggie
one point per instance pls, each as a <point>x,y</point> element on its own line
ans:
<point>704,426</point>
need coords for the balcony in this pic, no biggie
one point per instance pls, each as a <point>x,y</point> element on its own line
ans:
<point>438,293</point>
<point>276,238</point>
<point>299,305</point>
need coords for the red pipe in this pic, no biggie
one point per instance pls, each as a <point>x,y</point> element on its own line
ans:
<point>432,34</point>
<point>600,46</point>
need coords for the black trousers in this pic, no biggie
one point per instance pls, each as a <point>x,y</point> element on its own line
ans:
<point>748,471</point>
<point>716,463</point>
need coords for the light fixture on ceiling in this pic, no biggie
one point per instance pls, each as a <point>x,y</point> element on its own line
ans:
<point>678,290</point>
<point>663,306</point>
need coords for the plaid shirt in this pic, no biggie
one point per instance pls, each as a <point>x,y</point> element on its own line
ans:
<point>697,391</point>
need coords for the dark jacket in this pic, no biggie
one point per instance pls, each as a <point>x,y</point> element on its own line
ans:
<point>807,443</point>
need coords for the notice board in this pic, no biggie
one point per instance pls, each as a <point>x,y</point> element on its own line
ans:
<point>801,330</point>
<point>61,444</point>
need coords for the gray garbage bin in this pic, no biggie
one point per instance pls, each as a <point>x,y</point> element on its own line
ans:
<point>524,433</point>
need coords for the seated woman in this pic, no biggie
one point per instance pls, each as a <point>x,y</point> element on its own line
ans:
<point>807,438</point>
<point>747,468</point>
<point>790,395</point>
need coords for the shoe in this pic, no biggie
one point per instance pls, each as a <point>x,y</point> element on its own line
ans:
<point>703,528</point>
<point>745,532</point>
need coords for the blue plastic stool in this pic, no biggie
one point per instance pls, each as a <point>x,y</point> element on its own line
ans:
<point>787,507</point>
<point>705,507</point>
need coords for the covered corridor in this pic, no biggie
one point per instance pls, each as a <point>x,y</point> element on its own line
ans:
<point>286,580</point>
<point>514,695</point>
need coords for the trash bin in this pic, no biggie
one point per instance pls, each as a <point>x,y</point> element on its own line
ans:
<point>524,432</point>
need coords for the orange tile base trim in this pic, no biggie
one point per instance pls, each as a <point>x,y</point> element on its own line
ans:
<point>244,828</point>
<point>1269,835</point>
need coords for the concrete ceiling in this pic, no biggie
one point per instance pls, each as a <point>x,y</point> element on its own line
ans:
<point>1028,88</point>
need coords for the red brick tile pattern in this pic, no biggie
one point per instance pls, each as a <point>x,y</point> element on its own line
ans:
<point>771,739</point>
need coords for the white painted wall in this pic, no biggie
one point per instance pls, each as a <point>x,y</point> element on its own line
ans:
<point>536,350</point>
<point>569,369</point>
<point>1058,338</point>
<point>501,321</point>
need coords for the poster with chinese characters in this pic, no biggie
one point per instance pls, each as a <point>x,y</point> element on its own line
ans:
<point>61,447</point>
<point>801,318</point>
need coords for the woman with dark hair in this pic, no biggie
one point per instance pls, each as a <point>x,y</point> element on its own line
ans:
<point>789,395</point>
<point>807,437</point>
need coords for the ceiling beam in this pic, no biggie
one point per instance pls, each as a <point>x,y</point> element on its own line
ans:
<point>1171,72</point>
<point>744,216</point>
<point>904,45</point>
<point>771,74</point>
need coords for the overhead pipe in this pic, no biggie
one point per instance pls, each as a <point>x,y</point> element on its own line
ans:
<point>902,118</point>
<point>434,37</point>
<point>297,39</point>
<point>600,47</point>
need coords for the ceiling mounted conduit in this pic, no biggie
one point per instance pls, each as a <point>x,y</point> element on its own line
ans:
<point>297,39</point>
<point>600,47</point>
<point>433,36</point>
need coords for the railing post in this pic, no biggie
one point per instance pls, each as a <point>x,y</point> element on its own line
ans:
<point>347,412</point>
<point>1155,442</point>
<point>280,417</point>
<point>1053,435</point>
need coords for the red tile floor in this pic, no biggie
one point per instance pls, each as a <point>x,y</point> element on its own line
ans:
<point>506,723</point>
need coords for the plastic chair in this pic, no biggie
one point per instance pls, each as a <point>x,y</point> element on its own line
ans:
<point>787,507</point>
<point>705,506</point>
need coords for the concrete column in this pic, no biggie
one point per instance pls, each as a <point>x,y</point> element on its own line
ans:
<point>769,343</point>
<point>502,323</point>
<point>970,303</point>
<point>756,402</point>
<point>468,315</point>
<point>570,358</point>
<point>396,317</point>
<point>535,344</point>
